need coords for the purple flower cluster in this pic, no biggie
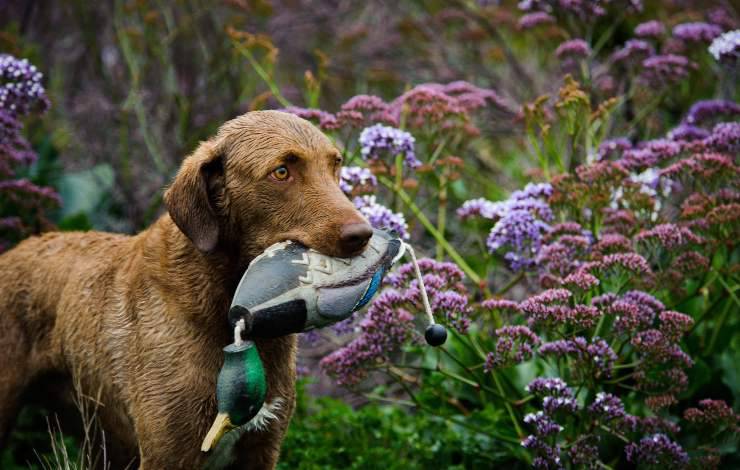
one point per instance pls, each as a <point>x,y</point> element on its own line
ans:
<point>22,203</point>
<point>650,154</point>
<point>381,217</point>
<point>657,450</point>
<point>379,140</point>
<point>661,70</point>
<point>669,236</point>
<point>715,413</point>
<point>650,29</point>
<point>594,359</point>
<point>607,407</point>
<point>550,308</point>
<point>633,52</point>
<point>687,133</point>
<point>362,110</point>
<point>633,311</point>
<point>326,121</point>
<point>532,20</point>
<point>386,326</point>
<point>355,178</point>
<point>703,111</point>
<point>584,10</point>
<point>575,48</point>
<point>21,91</point>
<point>611,147</point>
<point>513,346</point>
<point>521,222</point>
<point>726,48</point>
<point>559,397</point>
<point>696,32</point>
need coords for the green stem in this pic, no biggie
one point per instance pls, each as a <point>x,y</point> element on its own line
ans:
<point>718,328</point>
<point>433,231</point>
<point>433,412</point>
<point>442,212</point>
<point>509,409</point>
<point>263,74</point>
<point>512,282</point>
<point>398,186</point>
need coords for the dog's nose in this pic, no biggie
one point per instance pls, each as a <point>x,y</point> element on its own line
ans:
<point>353,237</point>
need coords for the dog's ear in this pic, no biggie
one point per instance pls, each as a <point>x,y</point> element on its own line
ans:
<point>192,197</point>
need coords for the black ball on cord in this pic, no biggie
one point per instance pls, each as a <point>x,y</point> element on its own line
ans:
<point>435,334</point>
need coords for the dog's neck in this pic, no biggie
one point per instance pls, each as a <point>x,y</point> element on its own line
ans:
<point>181,270</point>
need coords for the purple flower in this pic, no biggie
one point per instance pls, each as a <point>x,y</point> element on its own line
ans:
<point>674,324</point>
<point>521,234</point>
<point>573,48</point>
<point>547,456</point>
<point>513,346</point>
<point>696,32</point>
<point>613,146</point>
<point>582,280</point>
<point>661,70</point>
<point>480,207</point>
<point>687,133</point>
<point>21,90</point>
<point>702,111</point>
<point>361,110</point>
<point>520,223</point>
<point>726,48</point>
<point>650,154</point>
<point>669,236</point>
<point>712,413</point>
<point>612,243</point>
<point>379,140</point>
<point>532,20</point>
<point>542,424</point>
<point>633,52</point>
<point>644,299</point>
<point>549,387</point>
<point>725,137</point>
<point>326,121</point>
<point>501,304</point>
<point>552,405</point>
<point>624,261</point>
<point>585,451</point>
<point>596,358</point>
<point>449,105</point>
<point>381,217</point>
<point>657,449</point>
<point>607,407</point>
<point>650,29</point>
<point>352,177</point>
<point>630,316</point>
<point>690,263</point>
<point>551,308</point>
<point>386,326</point>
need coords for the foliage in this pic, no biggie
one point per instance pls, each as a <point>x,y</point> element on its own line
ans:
<point>23,203</point>
<point>328,433</point>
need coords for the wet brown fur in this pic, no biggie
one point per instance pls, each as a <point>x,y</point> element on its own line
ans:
<point>142,318</point>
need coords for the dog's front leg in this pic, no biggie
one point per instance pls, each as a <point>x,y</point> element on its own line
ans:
<point>259,448</point>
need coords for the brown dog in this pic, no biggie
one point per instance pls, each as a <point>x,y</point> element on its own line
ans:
<point>142,319</point>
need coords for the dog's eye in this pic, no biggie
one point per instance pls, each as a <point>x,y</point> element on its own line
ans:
<point>281,173</point>
<point>338,160</point>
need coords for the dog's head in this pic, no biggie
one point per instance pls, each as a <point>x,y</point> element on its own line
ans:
<point>266,177</point>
